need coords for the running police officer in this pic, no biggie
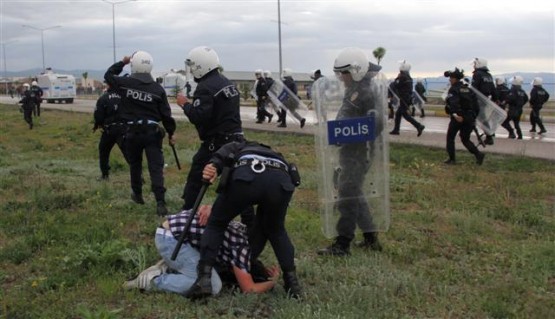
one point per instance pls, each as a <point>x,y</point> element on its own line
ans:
<point>501,91</point>
<point>538,96</point>
<point>291,85</point>
<point>420,89</point>
<point>28,101</point>
<point>262,97</point>
<point>515,101</point>
<point>483,82</point>
<point>402,86</point>
<point>107,117</point>
<point>144,105</point>
<point>259,176</point>
<point>215,113</point>
<point>38,97</point>
<point>462,107</point>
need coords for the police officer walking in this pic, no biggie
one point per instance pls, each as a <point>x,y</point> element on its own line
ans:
<point>107,117</point>
<point>501,91</point>
<point>259,176</point>
<point>144,105</point>
<point>28,102</point>
<point>420,89</point>
<point>483,82</point>
<point>402,86</point>
<point>462,107</point>
<point>515,101</point>
<point>538,96</point>
<point>292,86</point>
<point>214,111</point>
<point>38,97</point>
<point>262,97</point>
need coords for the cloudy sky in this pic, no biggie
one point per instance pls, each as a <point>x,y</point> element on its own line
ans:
<point>432,35</point>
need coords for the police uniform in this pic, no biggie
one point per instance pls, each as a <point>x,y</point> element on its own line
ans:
<point>463,102</point>
<point>262,87</point>
<point>217,118</point>
<point>421,90</point>
<point>107,117</point>
<point>259,176</point>
<point>402,86</point>
<point>38,99</point>
<point>538,96</point>
<point>29,101</point>
<point>515,101</point>
<point>144,105</point>
<point>292,86</point>
<point>483,82</point>
<point>501,91</point>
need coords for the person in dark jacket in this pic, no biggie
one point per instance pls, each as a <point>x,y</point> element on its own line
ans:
<point>515,101</point>
<point>144,105</point>
<point>292,86</point>
<point>38,97</point>
<point>462,107</point>
<point>501,91</point>
<point>402,86</point>
<point>538,96</point>
<point>262,97</point>
<point>483,82</point>
<point>28,102</point>
<point>258,176</point>
<point>420,89</point>
<point>107,117</point>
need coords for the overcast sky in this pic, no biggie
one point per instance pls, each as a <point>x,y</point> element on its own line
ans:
<point>432,35</point>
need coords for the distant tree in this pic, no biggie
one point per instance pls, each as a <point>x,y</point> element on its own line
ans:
<point>379,53</point>
<point>85,76</point>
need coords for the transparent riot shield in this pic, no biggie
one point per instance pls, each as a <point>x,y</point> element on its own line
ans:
<point>253,91</point>
<point>281,96</point>
<point>353,152</point>
<point>490,116</point>
<point>394,100</point>
<point>417,101</point>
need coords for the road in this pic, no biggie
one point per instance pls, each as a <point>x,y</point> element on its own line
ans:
<point>532,145</point>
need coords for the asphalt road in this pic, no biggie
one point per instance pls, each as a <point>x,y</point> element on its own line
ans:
<point>532,144</point>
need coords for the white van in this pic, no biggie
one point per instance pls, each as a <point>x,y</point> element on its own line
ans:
<point>174,83</point>
<point>57,87</point>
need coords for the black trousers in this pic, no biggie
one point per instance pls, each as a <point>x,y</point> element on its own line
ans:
<point>111,135</point>
<point>465,130</point>
<point>536,119</point>
<point>149,140</point>
<point>271,190</point>
<point>36,110</point>
<point>402,111</point>
<point>514,116</point>
<point>261,112</point>
<point>28,115</point>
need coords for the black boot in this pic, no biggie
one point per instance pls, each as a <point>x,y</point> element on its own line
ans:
<point>161,209</point>
<point>489,140</point>
<point>203,285</point>
<point>480,158</point>
<point>340,247</point>
<point>370,242</point>
<point>291,284</point>
<point>137,198</point>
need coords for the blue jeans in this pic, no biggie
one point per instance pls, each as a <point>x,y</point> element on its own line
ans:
<point>185,264</point>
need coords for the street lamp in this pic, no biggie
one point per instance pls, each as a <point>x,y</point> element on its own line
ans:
<point>5,68</point>
<point>42,38</point>
<point>113,3</point>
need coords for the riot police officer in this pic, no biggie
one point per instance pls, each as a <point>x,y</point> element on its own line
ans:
<point>292,86</point>
<point>538,96</point>
<point>38,97</point>
<point>28,101</point>
<point>402,86</point>
<point>462,107</point>
<point>483,82</point>
<point>144,106</point>
<point>259,176</point>
<point>214,111</point>
<point>107,117</point>
<point>420,89</point>
<point>515,101</point>
<point>501,90</point>
<point>262,97</point>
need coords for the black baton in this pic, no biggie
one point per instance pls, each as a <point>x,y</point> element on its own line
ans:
<point>176,158</point>
<point>201,193</point>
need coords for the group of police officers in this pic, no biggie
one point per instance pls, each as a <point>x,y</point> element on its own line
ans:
<point>135,109</point>
<point>30,102</point>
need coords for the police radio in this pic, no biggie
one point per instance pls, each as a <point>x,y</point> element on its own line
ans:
<point>294,174</point>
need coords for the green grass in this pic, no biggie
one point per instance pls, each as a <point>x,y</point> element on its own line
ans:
<point>464,242</point>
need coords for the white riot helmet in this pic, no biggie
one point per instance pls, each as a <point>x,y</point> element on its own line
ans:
<point>202,60</point>
<point>479,63</point>
<point>26,86</point>
<point>517,80</point>
<point>141,62</point>
<point>499,81</point>
<point>287,72</point>
<point>267,74</point>
<point>34,83</point>
<point>352,60</point>
<point>537,81</point>
<point>404,66</point>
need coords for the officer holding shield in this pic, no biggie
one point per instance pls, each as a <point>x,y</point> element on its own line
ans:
<point>356,159</point>
<point>483,82</point>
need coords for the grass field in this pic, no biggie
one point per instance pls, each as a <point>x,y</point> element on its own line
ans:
<point>464,242</point>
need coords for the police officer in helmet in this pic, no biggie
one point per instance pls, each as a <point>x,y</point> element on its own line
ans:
<point>215,113</point>
<point>144,106</point>
<point>38,97</point>
<point>462,107</point>
<point>483,82</point>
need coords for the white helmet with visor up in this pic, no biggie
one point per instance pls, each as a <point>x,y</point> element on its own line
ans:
<point>352,60</point>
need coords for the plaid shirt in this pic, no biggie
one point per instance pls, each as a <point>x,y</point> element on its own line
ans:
<point>234,251</point>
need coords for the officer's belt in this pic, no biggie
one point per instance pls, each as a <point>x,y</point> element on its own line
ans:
<point>259,166</point>
<point>114,124</point>
<point>223,139</point>
<point>140,122</point>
